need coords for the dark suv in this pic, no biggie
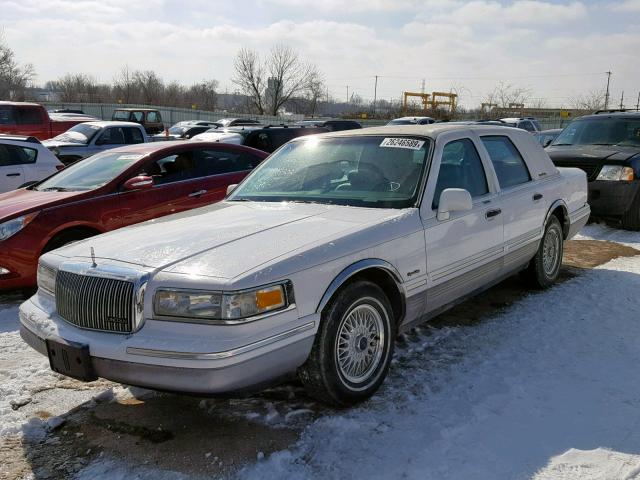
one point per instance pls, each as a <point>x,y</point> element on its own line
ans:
<point>606,145</point>
<point>149,118</point>
<point>333,125</point>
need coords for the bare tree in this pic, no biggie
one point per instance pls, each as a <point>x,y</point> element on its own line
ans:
<point>315,91</point>
<point>249,77</point>
<point>124,85</point>
<point>77,87</point>
<point>592,100</point>
<point>150,85</point>
<point>272,83</point>
<point>506,95</point>
<point>13,77</point>
<point>204,94</point>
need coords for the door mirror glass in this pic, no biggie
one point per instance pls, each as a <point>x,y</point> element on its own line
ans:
<point>141,182</point>
<point>453,200</point>
<point>231,188</point>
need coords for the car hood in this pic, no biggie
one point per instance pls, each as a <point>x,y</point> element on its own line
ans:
<point>22,201</point>
<point>591,152</point>
<point>222,137</point>
<point>59,143</point>
<point>227,239</point>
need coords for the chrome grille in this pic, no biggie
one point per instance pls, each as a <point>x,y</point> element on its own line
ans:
<point>592,170</point>
<point>97,303</point>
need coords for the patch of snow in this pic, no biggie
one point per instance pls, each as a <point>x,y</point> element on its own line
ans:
<point>507,399</point>
<point>107,469</point>
<point>598,231</point>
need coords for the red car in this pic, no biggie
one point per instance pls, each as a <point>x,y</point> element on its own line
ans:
<point>110,190</point>
<point>32,120</point>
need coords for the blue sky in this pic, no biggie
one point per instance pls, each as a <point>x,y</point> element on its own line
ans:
<point>555,49</point>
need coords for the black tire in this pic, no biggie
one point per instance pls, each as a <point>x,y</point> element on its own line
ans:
<point>323,374</point>
<point>631,218</point>
<point>65,238</point>
<point>536,274</point>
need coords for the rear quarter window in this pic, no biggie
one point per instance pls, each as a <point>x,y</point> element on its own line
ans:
<point>28,116</point>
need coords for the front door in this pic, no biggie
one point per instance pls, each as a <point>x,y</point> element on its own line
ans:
<point>465,251</point>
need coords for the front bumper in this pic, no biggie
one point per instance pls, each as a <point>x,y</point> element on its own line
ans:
<point>612,199</point>
<point>116,357</point>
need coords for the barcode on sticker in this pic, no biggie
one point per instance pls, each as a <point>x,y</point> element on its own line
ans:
<point>410,143</point>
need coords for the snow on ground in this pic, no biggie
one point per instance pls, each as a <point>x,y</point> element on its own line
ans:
<point>547,389</point>
<point>597,231</point>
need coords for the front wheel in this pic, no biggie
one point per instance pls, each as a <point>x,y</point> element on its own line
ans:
<point>544,269</point>
<point>353,348</point>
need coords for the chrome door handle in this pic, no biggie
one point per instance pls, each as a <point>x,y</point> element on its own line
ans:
<point>493,213</point>
<point>13,174</point>
<point>199,193</point>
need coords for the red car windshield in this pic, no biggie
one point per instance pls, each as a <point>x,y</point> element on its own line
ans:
<point>90,173</point>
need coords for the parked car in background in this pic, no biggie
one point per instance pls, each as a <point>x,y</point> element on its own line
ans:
<point>234,122</point>
<point>412,121</point>
<point>182,132</point>
<point>33,120</point>
<point>110,190</point>
<point>546,137</point>
<point>333,125</point>
<point>149,118</point>
<point>23,160</point>
<point>67,110</point>
<point>530,124</point>
<point>89,138</point>
<point>313,264</point>
<point>267,139</point>
<point>606,146</point>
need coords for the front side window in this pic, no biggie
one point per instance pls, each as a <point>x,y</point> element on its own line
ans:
<point>92,172</point>
<point>369,171</point>
<point>461,167</point>
<point>509,165</point>
<point>6,115</point>
<point>122,115</point>
<point>14,155</point>
<point>152,117</point>
<point>133,135</point>
<point>137,117</point>
<point>173,168</point>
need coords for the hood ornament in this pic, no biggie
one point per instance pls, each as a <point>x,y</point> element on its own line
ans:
<point>93,259</point>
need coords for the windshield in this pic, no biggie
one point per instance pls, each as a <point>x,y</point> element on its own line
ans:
<point>601,131</point>
<point>369,171</point>
<point>81,133</point>
<point>90,173</point>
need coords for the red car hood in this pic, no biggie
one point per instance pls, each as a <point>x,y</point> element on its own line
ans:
<point>22,201</point>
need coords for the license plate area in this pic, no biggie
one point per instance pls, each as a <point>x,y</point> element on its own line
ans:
<point>70,359</point>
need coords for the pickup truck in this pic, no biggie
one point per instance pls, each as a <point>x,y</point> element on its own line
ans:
<point>32,120</point>
<point>86,139</point>
<point>311,265</point>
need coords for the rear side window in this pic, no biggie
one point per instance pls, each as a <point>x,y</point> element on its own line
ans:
<point>28,116</point>
<point>137,117</point>
<point>133,135</point>
<point>528,126</point>
<point>112,136</point>
<point>218,162</point>
<point>461,167</point>
<point>14,155</point>
<point>260,140</point>
<point>507,161</point>
<point>152,117</point>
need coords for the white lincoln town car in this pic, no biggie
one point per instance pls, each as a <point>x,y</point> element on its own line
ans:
<point>312,265</point>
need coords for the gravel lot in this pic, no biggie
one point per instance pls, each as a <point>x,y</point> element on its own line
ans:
<point>54,427</point>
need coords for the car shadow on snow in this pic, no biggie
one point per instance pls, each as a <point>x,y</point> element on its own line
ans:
<point>205,436</point>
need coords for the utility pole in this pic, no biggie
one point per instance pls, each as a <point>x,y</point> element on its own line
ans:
<point>375,96</point>
<point>638,103</point>
<point>622,100</point>
<point>347,94</point>
<point>606,95</point>
<point>327,95</point>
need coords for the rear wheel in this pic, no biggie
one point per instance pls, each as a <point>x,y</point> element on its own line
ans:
<point>352,351</point>
<point>543,270</point>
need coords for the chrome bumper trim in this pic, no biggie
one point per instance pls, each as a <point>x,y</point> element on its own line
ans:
<point>148,352</point>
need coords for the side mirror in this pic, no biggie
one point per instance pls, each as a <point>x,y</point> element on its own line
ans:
<point>231,188</point>
<point>453,200</point>
<point>547,142</point>
<point>141,182</point>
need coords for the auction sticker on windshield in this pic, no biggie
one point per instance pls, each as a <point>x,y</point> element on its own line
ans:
<point>410,143</point>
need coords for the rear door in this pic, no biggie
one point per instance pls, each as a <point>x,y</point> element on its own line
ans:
<point>12,160</point>
<point>523,206</point>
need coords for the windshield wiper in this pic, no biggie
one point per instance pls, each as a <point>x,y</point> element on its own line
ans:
<point>55,189</point>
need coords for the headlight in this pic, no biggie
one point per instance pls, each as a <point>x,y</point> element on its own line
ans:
<point>10,228</point>
<point>615,172</point>
<point>221,306</point>
<point>47,279</point>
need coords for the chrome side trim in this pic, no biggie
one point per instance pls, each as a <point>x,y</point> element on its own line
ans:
<point>524,238</point>
<point>453,268</point>
<point>580,213</point>
<point>149,352</point>
<point>354,268</point>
